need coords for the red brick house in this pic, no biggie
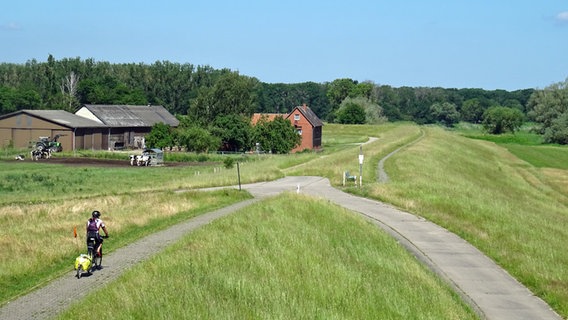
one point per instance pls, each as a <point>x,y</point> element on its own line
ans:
<point>306,122</point>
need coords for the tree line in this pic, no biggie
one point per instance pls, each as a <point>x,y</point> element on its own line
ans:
<point>205,95</point>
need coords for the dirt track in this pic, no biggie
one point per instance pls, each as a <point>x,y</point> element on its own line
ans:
<point>108,163</point>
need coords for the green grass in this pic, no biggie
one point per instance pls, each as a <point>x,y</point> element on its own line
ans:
<point>541,156</point>
<point>524,135</point>
<point>37,239</point>
<point>524,144</point>
<point>508,199</point>
<point>509,209</point>
<point>390,137</point>
<point>300,259</point>
<point>36,182</point>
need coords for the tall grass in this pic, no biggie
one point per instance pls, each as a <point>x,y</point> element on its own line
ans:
<point>286,258</point>
<point>38,242</point>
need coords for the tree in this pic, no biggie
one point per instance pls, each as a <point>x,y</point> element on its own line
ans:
<point>197,139</point>
<point>386,97</point>
<point>558,130</point>
<point>161,136</point>
<point>350,113</point>
<point>234,131</point>
<point>498,120</point>
<point>548,108</point>
<point>359,110</point>
<point>445,113</point>
<point>472,110</point>
<point>282,98</point>
<point>276,136</point>
<point>68,87</point>
<point>363,89</point>
<point>337,91</point>
<point>231,94</point>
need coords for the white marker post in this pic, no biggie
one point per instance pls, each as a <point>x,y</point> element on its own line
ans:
<point>361,157</point>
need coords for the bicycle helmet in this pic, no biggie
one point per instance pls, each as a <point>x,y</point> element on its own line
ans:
<point>96,214</point>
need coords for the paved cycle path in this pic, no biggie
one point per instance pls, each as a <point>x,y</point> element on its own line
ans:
<point>491,291</point>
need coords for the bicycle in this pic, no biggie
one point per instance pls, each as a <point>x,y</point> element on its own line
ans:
<point>93,259</point>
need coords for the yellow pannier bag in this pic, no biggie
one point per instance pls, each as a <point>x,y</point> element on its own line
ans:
<point>83,261</point>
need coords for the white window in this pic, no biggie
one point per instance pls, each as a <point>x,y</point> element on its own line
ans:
<point>296,116</point>
<point>299,131</point>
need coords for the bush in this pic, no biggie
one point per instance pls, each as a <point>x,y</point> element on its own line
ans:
<point>497,120</point>
<point>229,162</point>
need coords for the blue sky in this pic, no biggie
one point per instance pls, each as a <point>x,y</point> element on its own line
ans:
<point>452,44</point>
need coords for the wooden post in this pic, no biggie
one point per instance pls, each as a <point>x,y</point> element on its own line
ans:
<point>239,175</point>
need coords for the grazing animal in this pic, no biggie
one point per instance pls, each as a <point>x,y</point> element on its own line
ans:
<point>41,153</point>
<point>143,160</point>
<point>20,157</point>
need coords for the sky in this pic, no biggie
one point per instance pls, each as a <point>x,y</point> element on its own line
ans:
<point>502,44</point>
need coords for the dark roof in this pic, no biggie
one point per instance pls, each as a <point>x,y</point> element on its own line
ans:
<point>60,117</point>
<point>309,114</point>
<point>132,116</point>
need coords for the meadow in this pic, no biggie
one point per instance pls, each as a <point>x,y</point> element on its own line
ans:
<point>508,198</point>
<point>300,259</point>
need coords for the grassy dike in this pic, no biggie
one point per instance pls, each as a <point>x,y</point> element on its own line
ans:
<point>507,195</point>
<point>289,257</point>
<point>493,196</point>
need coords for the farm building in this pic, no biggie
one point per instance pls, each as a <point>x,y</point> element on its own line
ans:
<point>127,124</point>
<point>308,125</point>
<point>306,122</point>
<point>95,127</point>
<point>21,129</point>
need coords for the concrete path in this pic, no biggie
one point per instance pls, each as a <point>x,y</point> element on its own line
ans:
<point>492,292</point>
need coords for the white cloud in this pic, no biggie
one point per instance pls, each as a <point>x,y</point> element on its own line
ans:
<point>562,16</point>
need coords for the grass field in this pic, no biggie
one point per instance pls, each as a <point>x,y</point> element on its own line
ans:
<point>37,240</point>
<point>506,196</point>
<point>300,259</point>
<point>512,210</point>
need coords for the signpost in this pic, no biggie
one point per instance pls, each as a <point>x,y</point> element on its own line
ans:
<point>361,157</point>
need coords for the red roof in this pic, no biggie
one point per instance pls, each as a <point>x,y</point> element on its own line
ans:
<point>269,117</point>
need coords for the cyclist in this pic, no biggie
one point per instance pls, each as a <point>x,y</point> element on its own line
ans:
<point>94,224</point>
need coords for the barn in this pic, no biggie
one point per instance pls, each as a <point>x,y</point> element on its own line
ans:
<point>93,127</point>
<point>21,129</point>
<point>128,124</point>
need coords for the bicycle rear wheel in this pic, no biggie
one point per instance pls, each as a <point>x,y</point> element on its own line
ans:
<point>91,254</point>
<point>98,259</point>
